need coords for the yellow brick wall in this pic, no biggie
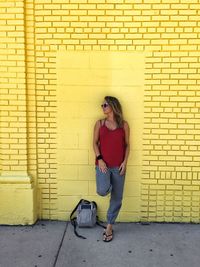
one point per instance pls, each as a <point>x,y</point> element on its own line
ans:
<point>168,31</point>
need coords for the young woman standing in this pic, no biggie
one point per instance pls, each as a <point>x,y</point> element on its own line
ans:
<point>111,147</point>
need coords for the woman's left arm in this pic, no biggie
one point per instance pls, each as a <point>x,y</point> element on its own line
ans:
<point>122,167</point>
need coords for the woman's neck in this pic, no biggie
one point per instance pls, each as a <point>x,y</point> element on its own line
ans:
<point>110,117</point>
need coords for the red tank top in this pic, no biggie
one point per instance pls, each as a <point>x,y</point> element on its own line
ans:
<point>112,145</point>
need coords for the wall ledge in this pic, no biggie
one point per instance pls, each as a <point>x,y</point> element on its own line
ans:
<point>15,179</point>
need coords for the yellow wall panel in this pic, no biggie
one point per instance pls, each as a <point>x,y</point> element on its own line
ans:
<point>99,74</point>
<point>73,188</point>
<point>69,156</point>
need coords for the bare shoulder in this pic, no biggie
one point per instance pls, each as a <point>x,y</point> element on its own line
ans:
<point>126,125</point>
<point>98,123</point>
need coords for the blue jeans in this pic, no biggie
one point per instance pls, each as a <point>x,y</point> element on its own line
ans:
<point>111,182</point>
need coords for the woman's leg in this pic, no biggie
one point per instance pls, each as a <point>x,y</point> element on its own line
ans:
<point>117,182</point>
<point>103,185</point>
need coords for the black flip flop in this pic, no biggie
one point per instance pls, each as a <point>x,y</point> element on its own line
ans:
<point>106,236</point>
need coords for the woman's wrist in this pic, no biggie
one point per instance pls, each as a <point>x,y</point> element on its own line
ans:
<point>125,162</point>
<point>99,157</point>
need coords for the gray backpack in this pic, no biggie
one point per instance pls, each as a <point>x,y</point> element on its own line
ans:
<point>86,216</point>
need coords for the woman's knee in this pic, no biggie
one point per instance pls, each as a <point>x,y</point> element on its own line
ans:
<point>104,191</point>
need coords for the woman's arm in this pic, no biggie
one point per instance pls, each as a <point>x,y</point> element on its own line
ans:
<point>122,167</point>
<point>127,142</point>
<point>96,138</point>
<point>101,163</point>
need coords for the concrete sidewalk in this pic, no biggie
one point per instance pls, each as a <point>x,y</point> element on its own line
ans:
<point>53,244</point>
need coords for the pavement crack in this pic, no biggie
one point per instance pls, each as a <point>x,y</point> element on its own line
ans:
<point>60,245</point>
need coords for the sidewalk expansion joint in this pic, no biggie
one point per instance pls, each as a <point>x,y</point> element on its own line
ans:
<point>59,248</point>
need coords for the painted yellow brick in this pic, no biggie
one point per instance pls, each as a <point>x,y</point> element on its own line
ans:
<point>105,6</point>
<point>157,187</point>
<point>97,35</point>
<point>67,172</point>
<point>76,125</point>
<point>174,187</point>
<point>68,60</point>
<point>67,203</point>
<point>133,173</point>
<point>88,43</point>
<point>128,217</point>
<point>92,77</point>
<point>85,140</point>
<point>150,181</point>
<point>179,6</point>
<point>76,24</point>
<point>193,187</point>
<point>66,156</point>
<point>115,36</point>
<point>73,188</point>
<point>92,188</point>
<point>114,12</point>
<point>86,172</point>
<point>72,5</point>
<point>87,6</point>
<point>106,42</point>
<point>131,204</point>
<point>132,189</point>
<point>142,6</point>
<point>96,12</point>
<point>123,6</point>
<point>79,36</point>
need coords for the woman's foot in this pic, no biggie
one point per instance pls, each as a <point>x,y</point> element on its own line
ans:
<point>108,233</point>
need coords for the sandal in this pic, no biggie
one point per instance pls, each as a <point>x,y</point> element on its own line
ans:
<point>106,237</point>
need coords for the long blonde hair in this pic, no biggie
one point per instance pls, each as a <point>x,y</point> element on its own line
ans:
<point>117,109</point>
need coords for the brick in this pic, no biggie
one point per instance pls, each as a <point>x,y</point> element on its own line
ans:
<point>73,156</point>
<point>105,6</point>
<point>73,188</point>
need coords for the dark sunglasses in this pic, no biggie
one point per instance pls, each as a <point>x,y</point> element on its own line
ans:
<point>105,105</point>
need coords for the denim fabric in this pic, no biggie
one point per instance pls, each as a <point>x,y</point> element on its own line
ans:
<point>111,182</point>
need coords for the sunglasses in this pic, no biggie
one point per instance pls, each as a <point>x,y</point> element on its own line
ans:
<point>105,105</point>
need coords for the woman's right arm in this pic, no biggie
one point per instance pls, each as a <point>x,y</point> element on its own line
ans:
<point>101,163</point>
<point>96,138</point>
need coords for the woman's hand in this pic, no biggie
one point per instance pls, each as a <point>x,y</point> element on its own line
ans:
<point>122,168</point>
<point>102,166</point>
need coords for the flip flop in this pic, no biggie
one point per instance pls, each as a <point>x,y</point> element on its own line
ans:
<point>107,236</point>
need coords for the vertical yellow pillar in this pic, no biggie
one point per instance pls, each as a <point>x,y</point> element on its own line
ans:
<point>17,192</point>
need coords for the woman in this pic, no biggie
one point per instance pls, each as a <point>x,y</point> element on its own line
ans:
<point>111,147</point>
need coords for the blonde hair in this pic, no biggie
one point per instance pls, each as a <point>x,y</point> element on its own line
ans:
<point>117,109</point>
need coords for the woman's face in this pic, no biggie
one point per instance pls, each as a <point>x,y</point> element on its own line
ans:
<point>106,107</point>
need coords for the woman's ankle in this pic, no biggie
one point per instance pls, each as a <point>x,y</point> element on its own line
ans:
<point>109,227</point>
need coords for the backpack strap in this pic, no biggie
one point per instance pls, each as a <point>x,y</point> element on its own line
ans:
<point>73,220</point>
<point>74,223</point>
<point>95,204</point>
<point>75,209</point>
<point>98,222</point>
